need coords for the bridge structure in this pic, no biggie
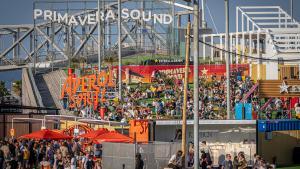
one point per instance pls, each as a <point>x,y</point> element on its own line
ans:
<point>266,33</point>
<point>49,43</point>
<point>44,46</point>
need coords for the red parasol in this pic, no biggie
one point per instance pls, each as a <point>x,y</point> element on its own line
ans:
<point>113,136</point>
<point>94,134</point>
<point>46,134</point>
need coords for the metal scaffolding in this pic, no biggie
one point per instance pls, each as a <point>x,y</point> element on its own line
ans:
<point>48,44</point>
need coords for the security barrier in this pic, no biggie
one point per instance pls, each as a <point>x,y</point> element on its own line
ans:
<point>122,155</point>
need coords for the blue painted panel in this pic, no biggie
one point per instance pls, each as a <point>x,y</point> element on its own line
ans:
<point>262,126</point>
<point>278,125</point>
<point>248,111</point>
<point>239,111</point>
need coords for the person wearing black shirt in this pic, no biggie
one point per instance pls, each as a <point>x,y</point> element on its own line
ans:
<point>139,163</point>
<point>13,164</point>
<point>90,163</point>
<point>1,159</point>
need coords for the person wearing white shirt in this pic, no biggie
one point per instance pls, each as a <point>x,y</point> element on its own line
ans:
<point>175,161</point>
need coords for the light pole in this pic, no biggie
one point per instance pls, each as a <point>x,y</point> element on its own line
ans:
<point>185,91</point>
<point>99,38</point>
<point>203,3</point>
<point>227,58</point>
<point>119,51</point>
<point>292,12</point>
<point>196,83</point>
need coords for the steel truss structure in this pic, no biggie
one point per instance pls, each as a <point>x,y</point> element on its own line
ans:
<point>48,43</point>
<point>261,32</point>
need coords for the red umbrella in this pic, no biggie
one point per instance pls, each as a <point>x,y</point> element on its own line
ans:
<point>113,136</point>
<point>46,134</point>
<point>94,134</point>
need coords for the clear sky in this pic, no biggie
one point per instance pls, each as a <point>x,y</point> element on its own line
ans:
<point>20,11</point>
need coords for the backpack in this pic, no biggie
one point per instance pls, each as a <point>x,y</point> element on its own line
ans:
<point>26,154</point>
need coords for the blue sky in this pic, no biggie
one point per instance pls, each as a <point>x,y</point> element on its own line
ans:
<point>20,11</point>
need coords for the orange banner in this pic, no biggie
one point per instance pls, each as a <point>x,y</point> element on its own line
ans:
<point>139,130</point>
<point>86,90</point>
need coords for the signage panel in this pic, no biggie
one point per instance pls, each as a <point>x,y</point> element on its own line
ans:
<point>279,88</point>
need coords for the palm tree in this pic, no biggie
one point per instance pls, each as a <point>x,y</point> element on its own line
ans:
<point>3,89</point>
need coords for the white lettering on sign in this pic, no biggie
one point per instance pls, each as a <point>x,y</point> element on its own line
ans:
<point>92,18</point>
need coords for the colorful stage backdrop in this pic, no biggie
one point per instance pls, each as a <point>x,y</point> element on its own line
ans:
<point>144,74</point>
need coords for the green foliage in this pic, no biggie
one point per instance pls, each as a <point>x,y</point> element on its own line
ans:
<point>3,89</point>
<point>111,60</point>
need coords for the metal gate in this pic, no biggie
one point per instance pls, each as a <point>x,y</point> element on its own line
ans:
<point>122,155</point>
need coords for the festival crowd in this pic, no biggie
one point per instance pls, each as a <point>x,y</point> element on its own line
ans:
<point>238,162</point>
<point>75,154</point>
<point>163,98</point>
<point>30,154</point>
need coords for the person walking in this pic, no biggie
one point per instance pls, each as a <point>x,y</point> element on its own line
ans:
<point>206,149</point>
<point>242,164</point>
<point>235,162</point>
<point>2,159</point>
<point>227,163</point>
<point>139,163</point>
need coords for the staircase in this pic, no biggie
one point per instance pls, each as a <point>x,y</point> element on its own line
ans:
<point>53,81</point>
<point>49,88</point>
<point>44,91</point>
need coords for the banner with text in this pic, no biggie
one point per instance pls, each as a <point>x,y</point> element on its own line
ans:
<point>145,74</point>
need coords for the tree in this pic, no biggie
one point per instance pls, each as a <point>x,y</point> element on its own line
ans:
<point>3,89</point>
<point>110,60</point>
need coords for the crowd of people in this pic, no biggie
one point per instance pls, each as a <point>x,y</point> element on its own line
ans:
<point>30,154</point>
<point>205,161</point>
<point>164,98</point>
<point>78,154</point>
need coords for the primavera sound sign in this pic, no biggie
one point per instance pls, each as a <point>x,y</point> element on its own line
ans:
<point>92,18</point>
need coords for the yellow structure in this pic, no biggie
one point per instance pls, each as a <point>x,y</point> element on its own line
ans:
<point>258,72</point>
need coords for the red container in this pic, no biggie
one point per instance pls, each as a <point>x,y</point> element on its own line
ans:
<point>102,112</point>
<point>254,115</point>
